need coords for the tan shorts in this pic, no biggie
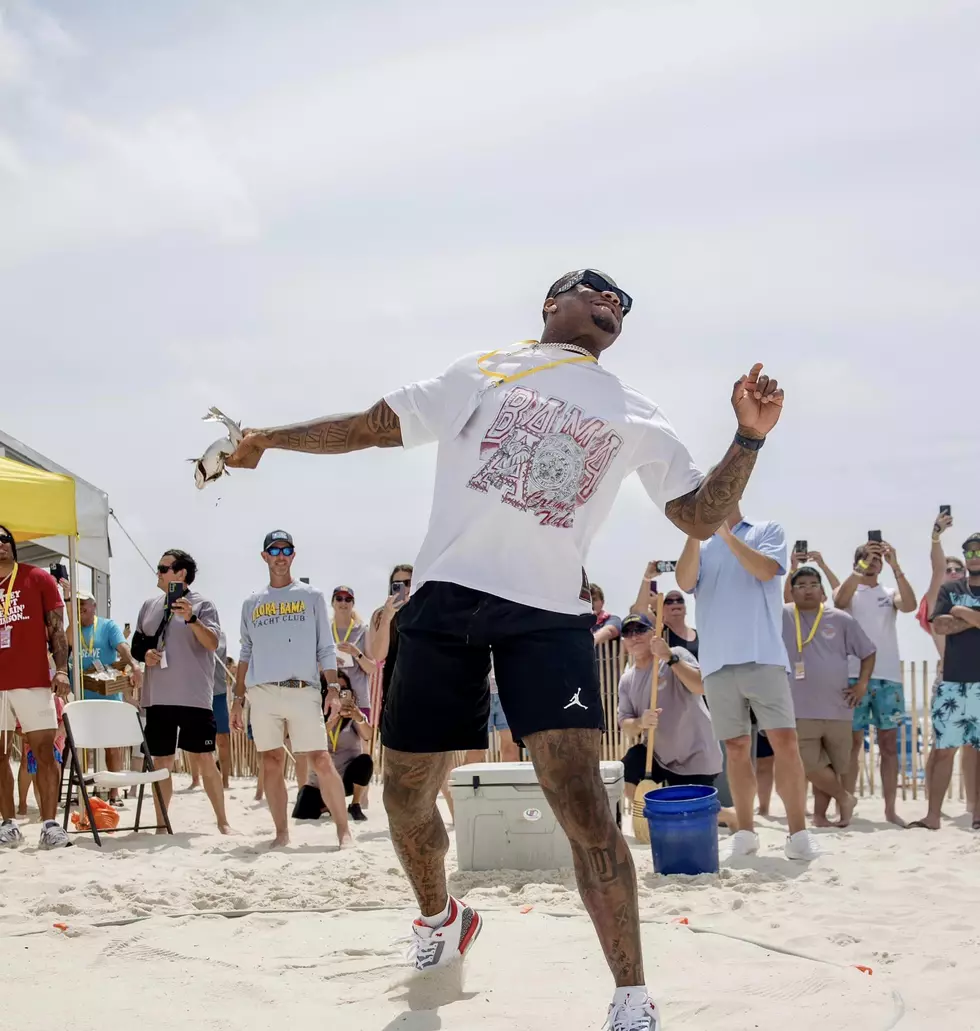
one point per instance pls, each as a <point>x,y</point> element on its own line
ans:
<point>825,743</point>
<point>276,711</point>
<point>31,707</point>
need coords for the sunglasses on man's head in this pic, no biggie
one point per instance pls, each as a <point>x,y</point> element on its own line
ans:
<point>595,281</point>
<point>343,597</point>
<point>286,550</point>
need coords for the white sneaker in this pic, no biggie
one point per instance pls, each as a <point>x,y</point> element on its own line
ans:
<point>633,1013</point>
<point>53,835</point>
<point>10,835</point>
<point>432,947</point>
<point>743,843</point>
<point>802,845</point>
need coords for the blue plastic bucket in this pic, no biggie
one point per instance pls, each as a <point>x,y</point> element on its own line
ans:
<point>683,823</point>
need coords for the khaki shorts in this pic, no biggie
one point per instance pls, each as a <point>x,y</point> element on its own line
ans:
<point>31,707</point>
<point>276,711</point>
<point>825,743</point>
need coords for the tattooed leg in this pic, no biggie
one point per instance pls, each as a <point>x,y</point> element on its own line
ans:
<point>567,765</point>
<point>412,783</point>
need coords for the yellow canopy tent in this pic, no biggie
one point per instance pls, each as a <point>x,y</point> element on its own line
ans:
<point>35,503</point>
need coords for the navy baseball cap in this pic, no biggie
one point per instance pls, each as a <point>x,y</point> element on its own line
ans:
<point>277,536</point>
<point>637,619</point>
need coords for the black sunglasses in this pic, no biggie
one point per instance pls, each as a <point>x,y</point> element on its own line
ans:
<point>595,281</point>
<point>286,550</point>
<point>343,597</point>
<point>673,601</point>
<point>5,538</point>
<point>635,631</point>
<point>165,569</point>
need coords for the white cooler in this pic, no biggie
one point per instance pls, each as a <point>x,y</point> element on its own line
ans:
<point>504,822</point>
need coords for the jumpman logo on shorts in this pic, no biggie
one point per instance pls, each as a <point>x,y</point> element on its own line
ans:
<point>575,701</point>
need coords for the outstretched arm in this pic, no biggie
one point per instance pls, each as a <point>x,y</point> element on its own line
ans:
<point>331,435</point>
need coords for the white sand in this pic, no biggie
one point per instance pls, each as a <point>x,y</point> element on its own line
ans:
<point>905,903</point>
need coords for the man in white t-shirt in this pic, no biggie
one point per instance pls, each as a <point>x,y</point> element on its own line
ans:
<point>534,443</point>
<point>876,609</point>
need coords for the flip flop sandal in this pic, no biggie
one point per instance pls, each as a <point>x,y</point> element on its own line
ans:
<point>922,825</point>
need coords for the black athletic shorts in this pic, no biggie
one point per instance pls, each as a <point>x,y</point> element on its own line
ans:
<point>439,699</point>
<point>634,763</point>
<point>169,727</point>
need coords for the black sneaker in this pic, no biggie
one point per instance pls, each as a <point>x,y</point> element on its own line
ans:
<point>355,812</point>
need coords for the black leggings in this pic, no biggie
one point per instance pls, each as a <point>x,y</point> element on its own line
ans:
<point>636,759</point>
<point>359,772</point>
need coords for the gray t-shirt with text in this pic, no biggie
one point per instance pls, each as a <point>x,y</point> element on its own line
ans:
<point>286,635</point>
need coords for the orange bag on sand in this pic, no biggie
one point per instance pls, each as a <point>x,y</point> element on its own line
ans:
<point>106,817</point>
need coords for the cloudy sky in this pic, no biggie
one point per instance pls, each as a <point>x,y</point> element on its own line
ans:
<point>289,209</point>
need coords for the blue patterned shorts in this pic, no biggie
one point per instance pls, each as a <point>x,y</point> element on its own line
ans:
<point>956,714</point>
<point>883,706</point>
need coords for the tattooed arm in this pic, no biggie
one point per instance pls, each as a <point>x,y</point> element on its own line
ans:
<point>700,512</point>
<point>58,646</point>
<point>958,619</point>
<point>332,435</point>
<point>758,403</point>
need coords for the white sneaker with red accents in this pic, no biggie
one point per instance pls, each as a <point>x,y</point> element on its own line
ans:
<point>432,947</point>
<point>633,1011</point>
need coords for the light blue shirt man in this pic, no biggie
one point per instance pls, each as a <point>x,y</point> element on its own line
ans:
<point>740,618</point>
<point>100,641</point>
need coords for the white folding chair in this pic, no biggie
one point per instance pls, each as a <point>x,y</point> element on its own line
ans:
<point>101,723</point>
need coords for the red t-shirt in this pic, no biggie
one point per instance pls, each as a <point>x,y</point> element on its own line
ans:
<point>25,663</point>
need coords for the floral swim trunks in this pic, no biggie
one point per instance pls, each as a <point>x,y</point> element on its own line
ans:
<point>883,706</point>
<point>956,714</point>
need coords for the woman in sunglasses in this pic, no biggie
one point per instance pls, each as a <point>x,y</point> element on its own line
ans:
<point>677,633</point>
<point>349,635</point>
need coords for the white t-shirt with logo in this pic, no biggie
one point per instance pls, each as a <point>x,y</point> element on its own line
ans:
<point>528,470</point>
<point>874,609</point>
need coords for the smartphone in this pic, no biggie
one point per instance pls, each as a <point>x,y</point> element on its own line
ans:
<point>304,579</point>
<point>874,536</point>
<point>653,587</point>
<point>59,571</point>
<point>397,587</point>
<point>666,567</point>
<point>175,591</point>
<point>346,694</point>
<point>800,548</point>
<point>946,510</point>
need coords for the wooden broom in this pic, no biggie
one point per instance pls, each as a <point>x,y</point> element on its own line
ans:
<point>641,829</point>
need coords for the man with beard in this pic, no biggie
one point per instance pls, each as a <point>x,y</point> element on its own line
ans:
<point>534,443</point>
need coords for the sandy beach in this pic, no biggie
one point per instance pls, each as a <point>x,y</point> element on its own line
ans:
<point>224,932</point>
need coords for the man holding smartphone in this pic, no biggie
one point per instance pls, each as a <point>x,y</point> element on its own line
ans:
<point>178,685</point>
<point>286,642</point>
<point>876,609</point>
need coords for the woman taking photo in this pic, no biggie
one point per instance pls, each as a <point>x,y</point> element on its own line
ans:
<point>349,636</point>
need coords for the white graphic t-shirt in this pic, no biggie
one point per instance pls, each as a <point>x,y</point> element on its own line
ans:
<point>527,471</point>
<point>874,609</point>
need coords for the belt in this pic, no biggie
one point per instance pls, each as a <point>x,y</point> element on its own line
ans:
<point>291,683</point>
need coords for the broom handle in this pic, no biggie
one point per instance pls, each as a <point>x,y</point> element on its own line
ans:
<point>658,630</point>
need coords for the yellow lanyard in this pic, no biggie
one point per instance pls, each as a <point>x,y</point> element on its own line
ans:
<point>335,736</point>
<point>90,643</point>
<point>336,639</point>
<point>499,377</point>
<point>800,643</point>
<point>10,587</point>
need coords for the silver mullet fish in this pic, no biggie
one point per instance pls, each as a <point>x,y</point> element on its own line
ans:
<point>211,465</point>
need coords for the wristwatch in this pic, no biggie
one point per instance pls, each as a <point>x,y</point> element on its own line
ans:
<point>673,660</point>
<point>193,618</point>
